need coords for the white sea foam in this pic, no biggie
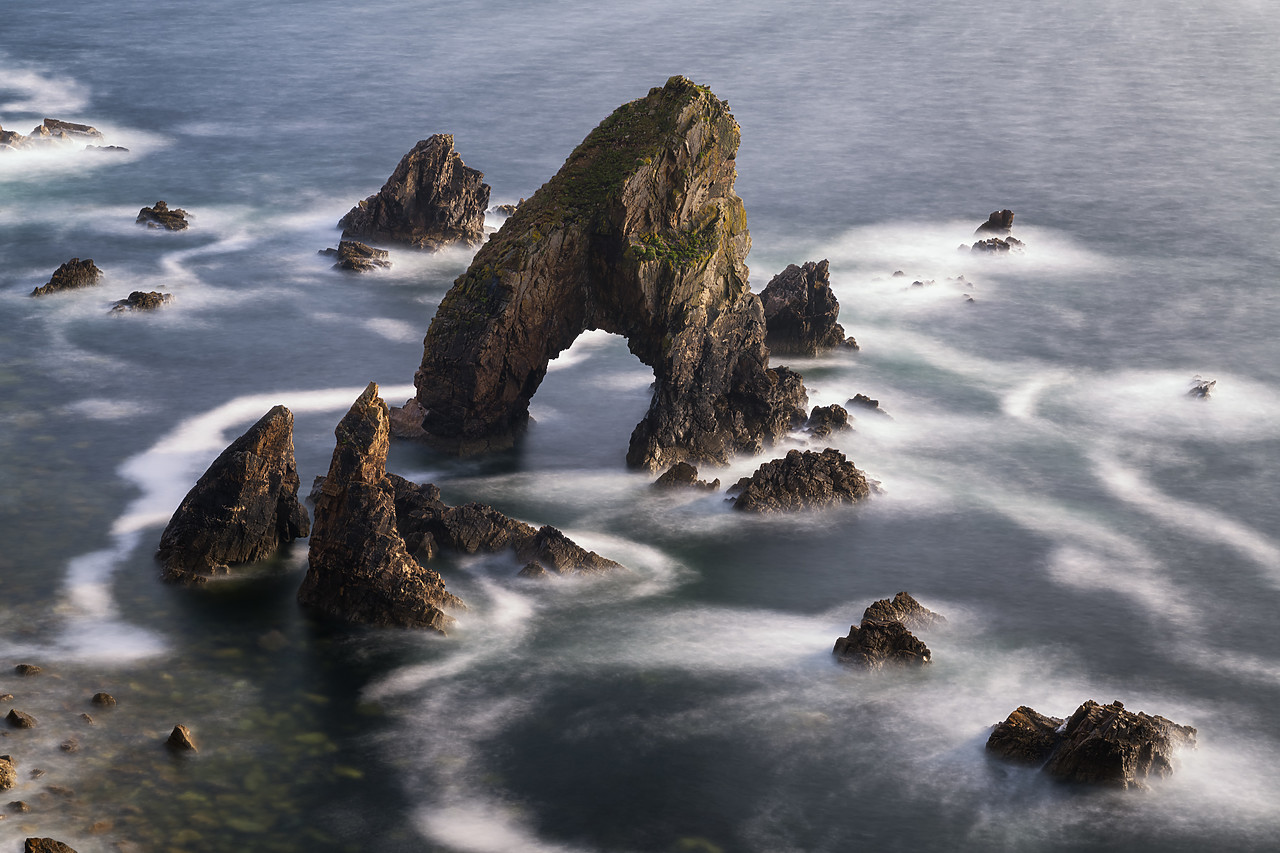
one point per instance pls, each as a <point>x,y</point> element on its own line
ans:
<point>476,824</point>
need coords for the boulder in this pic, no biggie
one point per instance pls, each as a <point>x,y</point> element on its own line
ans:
<point>20,719</point>
<point>357,257</point>
<point>874,644</point>
<point>180,740</point>
<point>140,301</point>
<point>103,700</point>
<point>862,401</point>
<point>1098,744</point>
<point>801,480</point>
<point>72,275</point>
<point>825,420</point>
<point>431,200</point>
<point>360,569</point>
<point>160,216</point>
<point>905,609</point>
<point>8,773</point>
<point>999,222</point>
<point>551,548</point>
<point>800,311</point>
<point>641,234</point>
<point>46,845</point>
<point>243,508</point>
<point>682,475</point>
<point>27,669</point>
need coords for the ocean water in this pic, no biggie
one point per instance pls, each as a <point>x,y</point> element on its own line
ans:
<point>1088,529</point>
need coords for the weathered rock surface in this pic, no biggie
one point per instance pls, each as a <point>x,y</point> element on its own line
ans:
<point>20,719</point>
<point>27,669</point>
<point>180,740</point>
<point>46,845</point>
<point>1099,744</point>
<point>875,644</point>
<point>161,216</point>
<point>905,609</point>
<point>862,401</point>
<point>682,475</point>
<point>357,257</point>
<point>641,234</point>
<point>360,568</point>
<point>406,420</point>
<point>142,301</point>
<point>8,773</point>
<point>74,274</point>
<point>431,200</point>
<point>999,222</point>
<point>802,480</point>
<point>103,700</point>
<point>242,509</point>
<point>996,245</point>
<point>825,420</point>
<point>800,311</point>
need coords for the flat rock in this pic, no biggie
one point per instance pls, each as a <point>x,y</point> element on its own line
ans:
<point>802,480</point>
<point>162,216</point>
<point>72,275</point>
<point>142,301</point>
<point>800,311</point>
<point>905,609</point>
<point>355,256</point>
<point>683,475</point>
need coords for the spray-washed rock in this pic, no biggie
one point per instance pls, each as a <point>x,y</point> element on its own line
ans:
<point>242,509</point>
<point>46,845</point>
<point>161,216</point>
<point>1026,736</point>
<point>142,301</point>
<point>875,644</point>
<point>641,234</point>
<point>905,609</point>
<point>863,402</point>
<point>355,256</point>
<point>800,311</point>
<point>682,475</point>
<point>431,200</point>
<point>999,222</point>
<point>801,480</point>
<point>72,275</point>
<point>51,132</point>
<point>27,669</point>
<point>825,420</point>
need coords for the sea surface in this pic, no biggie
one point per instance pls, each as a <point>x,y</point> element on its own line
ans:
<point>1088,529</point>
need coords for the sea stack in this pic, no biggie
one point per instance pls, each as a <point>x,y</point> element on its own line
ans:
<point>800,311</point>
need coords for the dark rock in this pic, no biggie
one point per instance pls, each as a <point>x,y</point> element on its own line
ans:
<point>905,609</point>
<point>506,209</point>
<point>6,697</point>
<point>898,274</point>
<point>20,720</point>
<point>72,275</point>
<point>360,568</point>
<point>874,644</point>
<point>995,245</point>
<point>431,200</point>
<point>180,740</point>
<point>103,700</point>
<point>800,311</point>
<point>140,301</point>
<point>8,773</point>
<point>160,216</point>
<point>19,807</point>
<point>27,669</point>
<point>46,845</point>
<point>862,401</point>
<point>682,475</point>
<point>1099,744</point>
<point>550,547</point>
<point>999,222</point>
<point>824,420</point>
<point>641,234</point>
<point>87,719</point>
<point>71,744</point>
<point>107,148</point>
<point>802,480</point>
<point>406,420</point>
<point>357,257</point>
<point>534,569</point>
<point>72,130</point>
<point>242,509</point>
<point>1202,388</point>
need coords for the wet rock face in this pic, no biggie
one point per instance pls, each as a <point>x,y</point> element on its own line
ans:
<point>355,256</point>
<point>905,609</point>
<point>875,644</point>
<point>140,301</point>
<point>242,509</point>
<point>640,234</point>
<point>360,569</point>
<point>1099,744</point>
<point>72,275</point>
<point>800,311</point>
<point>431,200</point>
<point>999,222</point>
<point>160,216</point>
<point>802,480</point>
<point>682,475</point>
<point>824,420</point>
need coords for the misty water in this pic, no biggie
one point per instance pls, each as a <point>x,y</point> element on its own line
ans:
<point>1089,530</point>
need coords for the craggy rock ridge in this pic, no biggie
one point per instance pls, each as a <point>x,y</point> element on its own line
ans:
<point>357,257</point>
<point>905,609</point>
<point>360,569</point>
<point>801,480</point>
<point>72,275</point>
<point>800,311</point>
<point>640,233</point>
<point>884,634</point>
<point>1099,744</point>
<point>142,301</point>
<point>242,509</point>
<point>431,200</point>
<point>161,216</point>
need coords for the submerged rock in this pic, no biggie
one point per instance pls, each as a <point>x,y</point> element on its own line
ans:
<point>800,311</point>
<point>1202,388</point>
<point>682,475</point>
<point>180,740</point>
<point>46,845</point>
<point>802,480</point>
<point>874,644</point>
<point>641,234</point>
<point>140,301</point>
<point>862,401</point>
<point>1098,744</point>
<point>72,275</point>
<point>995,245</point>
<point>825,420</point>
<point>357,257</point>
<point>160,216</point>
<point>8,773</point>
<point>905,609</point>
<point>27,669</point>
<point>20,719</point>
<point>242,509</point>
<point>999,222</point>
<point>431,200</point>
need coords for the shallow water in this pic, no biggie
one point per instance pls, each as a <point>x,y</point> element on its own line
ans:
<point>1089,530</point>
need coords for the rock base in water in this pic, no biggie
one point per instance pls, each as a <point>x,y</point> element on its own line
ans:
<point>801,480</point>
<point>884,634</point>
<point>800,311</point>
<point>825,420</point>
<point>50,133</point>
<point>862,401</point>
<point>682,475</point>
<point>140,301</point>
<point>999,222</point>
<point>72,275</point>
<point>355,256</point>
<point>997,246</point>
<point>161,216</point>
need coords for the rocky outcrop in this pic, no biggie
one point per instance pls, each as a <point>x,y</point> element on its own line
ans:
<point>406,420</point>
<point>1099,744</point>
<point>999,222</point>
<point>161,216</point>
<point>357,257</point>
<point>431,200</point>
<point>72,275</point>
<point>905,609</point>
<point>800,311</point>
<point>801,480</point>
<point>682,475</point>
<point>242,509</point>
<point>360,569</point>
<point>825,420</point>
<point>875,644</point>
<point>996,245</point>
<point>640,233</point>
<point>142,301</point>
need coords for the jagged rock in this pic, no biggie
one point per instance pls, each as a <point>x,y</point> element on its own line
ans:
<point>20,719</point>
<point>160,216</point>
<point>74,274</point>
<point>1099,744</point>
<point>431,200</point>
<point>534,569</point>
<point>360,569</point>
<point>999,222</point>
<point>824,420</point>
<point>862,401</point>
<point>27,669</point>
<point>905,609</point>
<point>995,245</point>
<point>406,420</point>
<point>75,131</point>
<point>140,301</point>
<point>550,547</point>
<point>242,509</point>
<point>357,257</point>
<point>46,845</point>
<point>682,475</point>
<point>800,311</point>
<point>180,740</point>
<point>103,700</point>
<point>874,644</point>
<point>802,480</point>
<point>1202,388</point>
<point>8,773</point>
<point>641,234</point>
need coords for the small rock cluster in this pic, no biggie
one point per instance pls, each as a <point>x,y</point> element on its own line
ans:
<point>884,634</point>
<point>683,475</point>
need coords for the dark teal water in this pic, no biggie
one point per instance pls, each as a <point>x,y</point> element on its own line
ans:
<point>1089,531</point>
